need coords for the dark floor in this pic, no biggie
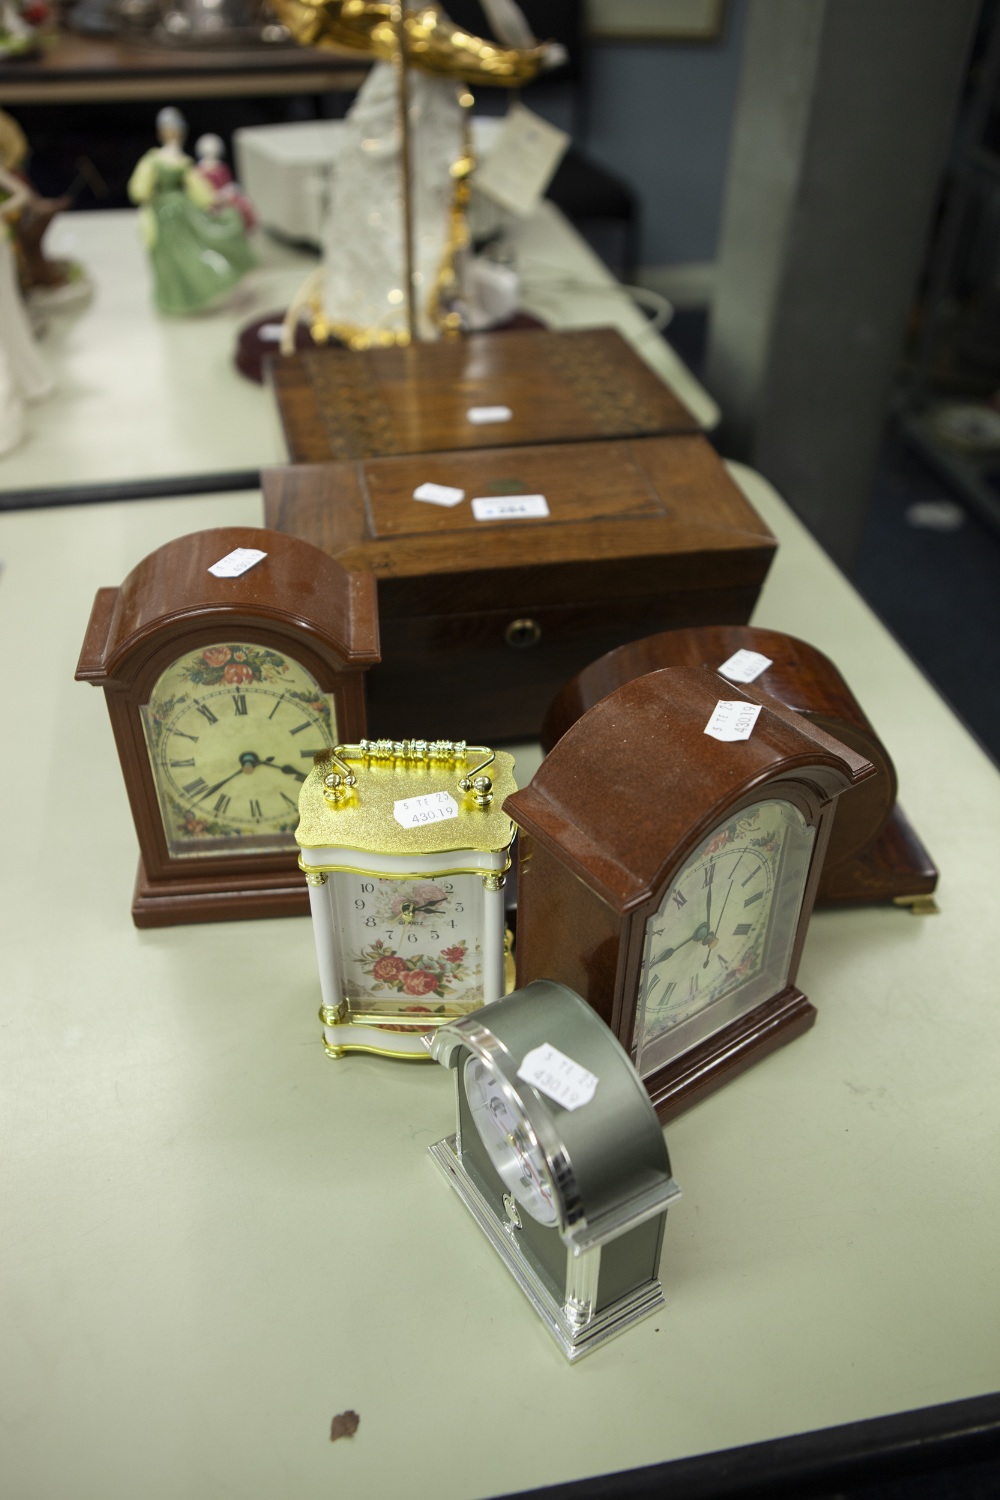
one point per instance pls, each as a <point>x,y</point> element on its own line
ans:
<point>973,1482</point>
<point>927,566</point>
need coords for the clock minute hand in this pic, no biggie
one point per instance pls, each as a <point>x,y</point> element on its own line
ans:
<point>722,913</point>
<point>669,952</point>
<point>224,782</point>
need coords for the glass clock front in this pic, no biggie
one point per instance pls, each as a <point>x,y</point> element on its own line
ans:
<point>721,941</point>
<point>410,945</point>
<point>510,1142</point>
<point>231,732</point>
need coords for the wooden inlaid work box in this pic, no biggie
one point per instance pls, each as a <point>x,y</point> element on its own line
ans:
<point>557,386</point>
<point>482,621</point>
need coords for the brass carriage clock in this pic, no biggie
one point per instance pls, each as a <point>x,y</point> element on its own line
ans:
<point>405,846</point>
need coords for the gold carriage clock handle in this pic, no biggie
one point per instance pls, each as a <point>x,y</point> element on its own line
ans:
<point>339,784</point>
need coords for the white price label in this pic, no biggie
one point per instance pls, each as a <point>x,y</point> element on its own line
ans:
<point>240,560</point>
<point>522,160</point>
<point>553,1073</point>
<point>434,807</point>
<point>509,507</point>
<point>479,416</point>
<point>439,494</point>
<point>732,720</point>
<point>744,666</point>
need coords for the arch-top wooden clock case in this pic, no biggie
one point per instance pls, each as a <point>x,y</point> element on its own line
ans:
<point>873,853</point>
<point>220,691</point>
<point>668,876</point>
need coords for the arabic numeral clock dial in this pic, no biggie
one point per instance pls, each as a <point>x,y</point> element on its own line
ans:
<point>229,660</point>
<point>668,874</point>
<point>405,849</point>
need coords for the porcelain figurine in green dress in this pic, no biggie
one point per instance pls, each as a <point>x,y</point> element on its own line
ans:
<point>197,247</point>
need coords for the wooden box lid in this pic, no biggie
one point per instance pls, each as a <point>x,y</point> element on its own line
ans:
<point>625,518</point>
<point>559,386</point>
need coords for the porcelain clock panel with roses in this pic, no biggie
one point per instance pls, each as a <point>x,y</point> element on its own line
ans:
<point>231,731</point>
<point>411,943</point>
<point>722,938</point>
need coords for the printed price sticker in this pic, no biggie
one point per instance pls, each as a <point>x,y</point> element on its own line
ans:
<point>433,807</point>
<point>480,415</point>
<point>240,560</point>
<point>522,160</point>
<point>553,1073</point>
<point>509,507</point>
<point>732,720</point>
<point>744,666</point>
<point>439,494</point>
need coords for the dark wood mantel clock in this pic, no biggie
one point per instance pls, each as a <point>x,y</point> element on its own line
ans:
<point>668,876</point>
<point>874,854</point>
<point>221,686</point>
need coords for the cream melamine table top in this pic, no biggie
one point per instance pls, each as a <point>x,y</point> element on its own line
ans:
<point>139,396</point>
<point>216,1238</point>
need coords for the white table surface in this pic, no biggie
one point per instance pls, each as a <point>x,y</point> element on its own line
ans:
<point>139,396</point>
<point>215,1238</point>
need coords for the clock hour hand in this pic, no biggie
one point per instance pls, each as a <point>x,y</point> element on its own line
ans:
<point>408,910</point>
<point>248,760</point>
<point>285,770</point>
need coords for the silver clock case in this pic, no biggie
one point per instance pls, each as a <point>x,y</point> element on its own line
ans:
<point>593,1272</point>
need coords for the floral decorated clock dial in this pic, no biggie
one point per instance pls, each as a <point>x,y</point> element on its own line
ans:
<point>723,935</point>
<point>231,731</point>
<point>412,945</point>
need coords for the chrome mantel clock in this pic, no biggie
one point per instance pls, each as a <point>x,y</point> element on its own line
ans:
<point>560,1159</point>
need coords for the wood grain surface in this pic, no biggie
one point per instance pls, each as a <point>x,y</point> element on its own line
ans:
<point>616,808</point>
<point>560,387</point>
<point>873,853</point>
<point>299,602</point>
<point>640,533</point>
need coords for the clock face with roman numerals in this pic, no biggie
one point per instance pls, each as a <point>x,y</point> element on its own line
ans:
<point>231,731</point>
<point>721,941</point>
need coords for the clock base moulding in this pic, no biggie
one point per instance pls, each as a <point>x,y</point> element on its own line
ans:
<point>677,1086</point>
<point>167,903</point>
<point>574,1341</point>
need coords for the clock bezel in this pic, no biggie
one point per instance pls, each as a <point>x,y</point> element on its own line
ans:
<point>787,1005</point>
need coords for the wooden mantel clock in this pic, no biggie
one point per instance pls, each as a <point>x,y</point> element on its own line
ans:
<point>873,854</point>
<point>668,875</point>
<point>221,686</point>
